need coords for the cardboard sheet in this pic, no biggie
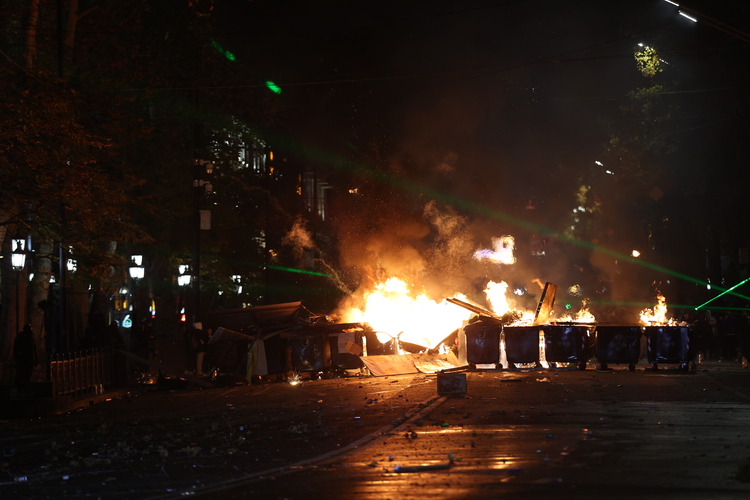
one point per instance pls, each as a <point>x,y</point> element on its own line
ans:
<point>409,363</point>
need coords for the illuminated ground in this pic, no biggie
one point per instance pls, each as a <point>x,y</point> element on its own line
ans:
<point>566,433</point>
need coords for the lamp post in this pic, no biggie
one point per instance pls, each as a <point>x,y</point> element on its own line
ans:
<point>184,278</point>
<point>136,272</point>
<point>201,221</point>
<point>183,281</point>
<point>136,269</point>
<point>237,280</point>
<point>18,262</point>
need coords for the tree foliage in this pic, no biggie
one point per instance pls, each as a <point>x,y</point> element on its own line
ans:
<point>98,137</point>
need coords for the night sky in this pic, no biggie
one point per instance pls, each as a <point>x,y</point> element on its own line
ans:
<point>486,101</point>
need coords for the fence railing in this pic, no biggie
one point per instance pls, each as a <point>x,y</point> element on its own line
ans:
<point>87,372</point>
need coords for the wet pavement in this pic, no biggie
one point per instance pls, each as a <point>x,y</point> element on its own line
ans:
<point>565,433</point>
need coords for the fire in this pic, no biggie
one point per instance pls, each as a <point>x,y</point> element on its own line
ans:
<point>394,311</point>
<point>495,293</point>
<point>582,316</point>
<point>498,300</point>
<point>501,252</point>
<point>657,315</point>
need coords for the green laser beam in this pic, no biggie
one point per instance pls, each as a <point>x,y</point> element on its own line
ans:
<point>273,87</point>
<point>426,191</point>
<point>300,271</point>
<point>723,293</point>
<point>669,306</point>
<point>222,51</point>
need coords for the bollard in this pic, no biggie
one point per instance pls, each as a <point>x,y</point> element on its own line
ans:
<point>451,384</point>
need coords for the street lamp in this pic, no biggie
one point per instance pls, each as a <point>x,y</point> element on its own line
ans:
<point>137,272</point>
<point>18,262</point>
<point>71,264</point>
<point>18,258</point>
<point>184,278</point>
<point>237,280</point>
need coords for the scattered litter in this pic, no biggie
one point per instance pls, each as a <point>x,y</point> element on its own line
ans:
<point>545,379</point>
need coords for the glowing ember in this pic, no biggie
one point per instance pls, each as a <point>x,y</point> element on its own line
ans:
<point>502,252</point>
<point>392,310</point>
<point>657,315</point>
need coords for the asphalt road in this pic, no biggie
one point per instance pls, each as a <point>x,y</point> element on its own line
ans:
<point>564,433</point>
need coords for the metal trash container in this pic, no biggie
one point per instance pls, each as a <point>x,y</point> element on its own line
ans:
<point>276,355</point>
<point>669,345</point>
<point>341,357</point>
<point>310,352</point>
<point>522,344</point>
<point>483,344</point>
<point>566,344</point>
<point>618,345</point>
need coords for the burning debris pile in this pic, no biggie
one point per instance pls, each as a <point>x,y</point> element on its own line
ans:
<point>416,298</point>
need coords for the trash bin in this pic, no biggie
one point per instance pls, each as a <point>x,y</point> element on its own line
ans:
<point>521,344</point>
<point>618,345</point>
<point>346,349</point>
<point>483,344</point>
<point>309,352</point>
<point>566,344</point>
<point>668,344</point>
<point>276,354</point>
<point>376,347</point>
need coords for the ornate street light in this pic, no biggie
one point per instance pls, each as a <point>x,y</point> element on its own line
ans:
<point>137,272</point>
<point>18,262</point>
<point>18,257</point>
<point>237,279</point>
<point>184,278</point>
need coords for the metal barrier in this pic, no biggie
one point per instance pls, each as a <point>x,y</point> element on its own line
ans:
<point>87,372</point>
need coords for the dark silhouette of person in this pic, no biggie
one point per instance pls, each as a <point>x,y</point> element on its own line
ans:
<point>24,353</point>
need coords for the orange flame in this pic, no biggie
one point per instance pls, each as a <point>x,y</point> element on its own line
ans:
<point>582,316</point>
<point>394,311</point>
<point>496,294</point>
<point>657,315</point>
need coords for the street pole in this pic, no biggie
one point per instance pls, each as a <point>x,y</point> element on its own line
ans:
<point>18,262</point>
<point>196,265</point>
<point>200,188</point>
